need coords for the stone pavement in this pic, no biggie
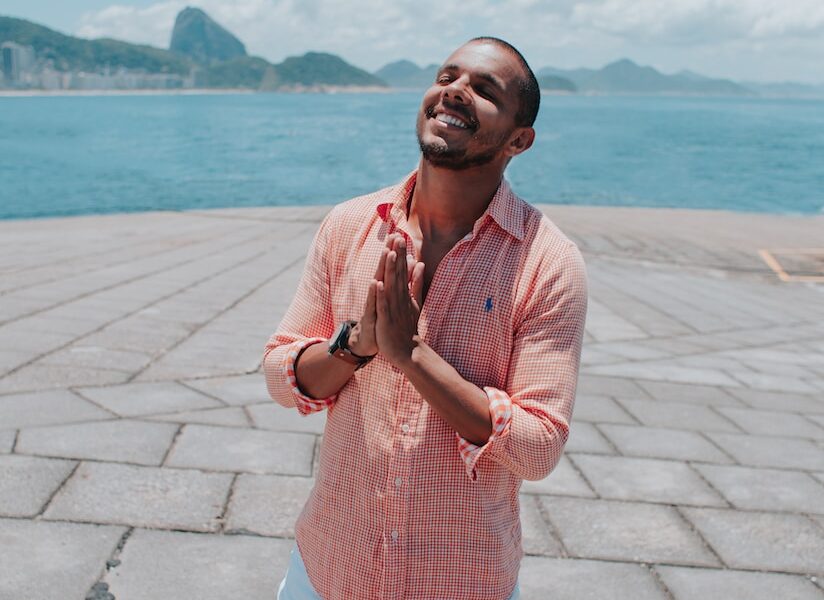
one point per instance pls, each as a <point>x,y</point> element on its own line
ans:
<point>140,457</point>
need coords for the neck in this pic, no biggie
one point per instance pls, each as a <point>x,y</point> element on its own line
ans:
<point>445,203</point>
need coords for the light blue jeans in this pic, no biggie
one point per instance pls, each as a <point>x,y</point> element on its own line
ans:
<point>296,585</point>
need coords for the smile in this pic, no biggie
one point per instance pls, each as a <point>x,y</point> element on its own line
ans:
<point>451,120</point>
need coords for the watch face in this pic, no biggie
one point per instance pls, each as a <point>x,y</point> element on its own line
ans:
<point>335,342</point>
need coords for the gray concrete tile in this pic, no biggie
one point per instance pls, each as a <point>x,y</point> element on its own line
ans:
<point>39,376</point>
<point>688,583</point>
<point>626,531</point>
<point>243,450</point>
<point>584,437</point>
<point>239,390</point>
<point>159,498</point>
<point>780,401</point>
<point>564,480</point>
<point>267,504</point>
<point>275,417</point>
<point>769,422</point>
<point>27,483</point>
<point>646,479</point>
<point>664,371</point>
<point>766,489</point>
<point>44,561</point>
<point>600,409</point>
<point>136,399</point>
<point>167,564</point>
<point>536,536</point>
<point>609,386</point>
<point>773,383</point>
<point>761,541</point>
<point>689,393</point>
<point>230,416</point>
<point>91,356</point>
<point>7,437</point>
<point>654,442</point>
<point>576,579</point>
<point>818,419</point>
<point>678,415</point>
<point>121,440</point>
<point>770,451</point>
<point>47,408</point>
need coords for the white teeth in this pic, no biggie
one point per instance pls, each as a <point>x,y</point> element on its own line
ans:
<point>451,120</point>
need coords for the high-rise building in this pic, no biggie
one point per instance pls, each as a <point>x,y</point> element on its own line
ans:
<point>18,62</point>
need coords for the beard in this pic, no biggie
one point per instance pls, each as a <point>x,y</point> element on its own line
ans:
<point>439,154</point>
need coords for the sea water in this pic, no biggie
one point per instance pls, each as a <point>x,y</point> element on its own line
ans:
<point>70,155</point>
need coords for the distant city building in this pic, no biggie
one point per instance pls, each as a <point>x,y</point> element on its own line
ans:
<point>18,63</point>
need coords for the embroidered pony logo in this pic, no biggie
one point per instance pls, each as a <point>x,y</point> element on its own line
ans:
<point>488,304</point>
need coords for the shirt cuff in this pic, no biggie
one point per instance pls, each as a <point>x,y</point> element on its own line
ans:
<point>305,404</point>
<point>500,409</point>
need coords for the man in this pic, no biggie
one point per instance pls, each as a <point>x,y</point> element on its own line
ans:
<point>458,379</point>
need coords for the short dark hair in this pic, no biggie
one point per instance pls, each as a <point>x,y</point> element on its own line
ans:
<point>529,93</point>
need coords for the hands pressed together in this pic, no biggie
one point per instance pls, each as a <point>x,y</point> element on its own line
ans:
<point>393,305</point>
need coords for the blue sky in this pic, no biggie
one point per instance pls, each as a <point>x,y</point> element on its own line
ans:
<point>760,40</point>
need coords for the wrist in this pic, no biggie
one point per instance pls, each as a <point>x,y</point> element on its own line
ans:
<point>358,346</point>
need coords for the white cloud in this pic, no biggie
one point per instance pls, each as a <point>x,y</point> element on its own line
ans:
<point>370,33</point>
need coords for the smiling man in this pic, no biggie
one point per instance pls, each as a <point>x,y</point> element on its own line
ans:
<point>439,321</point>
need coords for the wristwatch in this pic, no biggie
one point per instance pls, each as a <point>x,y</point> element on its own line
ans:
<point>339,346</point>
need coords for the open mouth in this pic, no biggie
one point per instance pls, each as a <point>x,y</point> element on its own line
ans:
<point>451,119</point>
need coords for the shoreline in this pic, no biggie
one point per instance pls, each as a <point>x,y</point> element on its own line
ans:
<point>313,89</point>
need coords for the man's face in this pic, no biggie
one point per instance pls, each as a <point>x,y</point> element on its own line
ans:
<point>468,115</point>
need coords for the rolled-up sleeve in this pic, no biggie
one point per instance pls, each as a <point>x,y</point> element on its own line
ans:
<point>307,321</point>
<point>531,416</point>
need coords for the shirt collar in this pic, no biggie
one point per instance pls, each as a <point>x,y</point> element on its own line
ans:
<point>505,208</point>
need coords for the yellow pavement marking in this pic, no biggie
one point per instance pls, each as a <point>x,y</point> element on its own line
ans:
<point>769,257</point>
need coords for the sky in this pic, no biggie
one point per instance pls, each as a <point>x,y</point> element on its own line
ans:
<point>745,40</point>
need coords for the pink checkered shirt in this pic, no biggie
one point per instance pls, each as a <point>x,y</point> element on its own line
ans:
<point>403,507</point>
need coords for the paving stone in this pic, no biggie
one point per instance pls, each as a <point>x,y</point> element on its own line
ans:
<point>584,437</point>
<point>564,480</point>
<point>770,451</point>
<point>237,391</point>
<point>275,417</point>
<point>646,479</point>
<point>689,393</point>
<point>44,561</point>
<point>761,541</point>
<point>246,450</point>
<point>135,399</point>
<point>819,419</point>
<point>230,416</point>
<point>90,356</point>
<point>167,564</point>
<point>7,437</point>
<point>625,531</point>
<point>576,579</point>
<point>27,483</point>
<point>267,504</point>
<point>656,442</point>
<point>778,383</point>
<point>536,536</point>
<point>47,408</point>
<point>121,440</point>
<point>609,386</point>
<point>769,422</point>
<point>689,583</point>
<point>678,415</point>
<point>766,489</point>
<point>665,371</point>
<point>39,376</point>
<point>600,409</point>
<point>153,497</point>
<point>780,401</point>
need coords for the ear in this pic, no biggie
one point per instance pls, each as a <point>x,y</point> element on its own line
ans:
<point>520,141</point>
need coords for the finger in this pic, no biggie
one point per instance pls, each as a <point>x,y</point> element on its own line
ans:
<point>381,264</point>
<point>417,283</point>
<point>369,309</point>
<point>389,269</point>
<point>410,264</point>
<point>401,274</point>
<point>382,308</point>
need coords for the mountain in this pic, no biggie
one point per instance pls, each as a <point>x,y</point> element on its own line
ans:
<point>198,37</point>
<point>66,53</point>
<point>626,77</point>
<point>556,83</point>
<point>319,68</point>
<point>787,89</point>
<point>406,74</point>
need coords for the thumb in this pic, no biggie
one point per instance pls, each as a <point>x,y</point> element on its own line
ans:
<point>369,313</point>
<point>417,283</point>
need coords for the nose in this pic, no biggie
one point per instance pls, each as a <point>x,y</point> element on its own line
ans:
<point>456,90</point>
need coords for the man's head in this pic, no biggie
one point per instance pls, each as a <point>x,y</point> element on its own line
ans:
<point>481,107</point>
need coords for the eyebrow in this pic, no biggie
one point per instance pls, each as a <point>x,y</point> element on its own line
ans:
<point>489,77</point>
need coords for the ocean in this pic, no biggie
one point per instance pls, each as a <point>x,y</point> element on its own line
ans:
<point>72,155</point>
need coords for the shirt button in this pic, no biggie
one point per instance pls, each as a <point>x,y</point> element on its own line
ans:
<point>398,482</point>
<point>405,428</point>
<point>394,536</point>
